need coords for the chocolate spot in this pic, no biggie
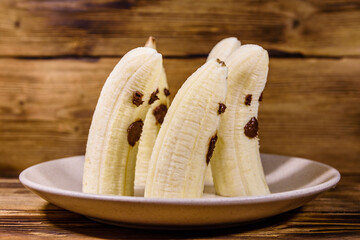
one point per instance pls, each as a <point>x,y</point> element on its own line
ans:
<point>211,148</point>
<point>159,113</point>
<point>261,96</point>
<point>166,92</point>
<point>154,96</point>
<point>248,99</point>
<point>134,132</point>
<point>221,62</point>
<point>137,98</point>
<point>251,128</point>
<point>222,108</point>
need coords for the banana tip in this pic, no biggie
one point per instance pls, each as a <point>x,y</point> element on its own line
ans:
<point>151,42</point>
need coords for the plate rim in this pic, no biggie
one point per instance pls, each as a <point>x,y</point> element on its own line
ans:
<point>273,197</point>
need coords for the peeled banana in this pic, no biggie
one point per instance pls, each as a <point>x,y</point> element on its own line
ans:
<point>236,164</point>
<point>188,135</point>
<point>222,50</point>
<point>171,161</point>
<point>152,123</point>
<point>118,121</point>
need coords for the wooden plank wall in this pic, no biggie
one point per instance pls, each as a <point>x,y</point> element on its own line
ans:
<point>55,56</point>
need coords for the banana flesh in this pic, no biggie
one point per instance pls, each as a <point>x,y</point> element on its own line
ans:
<point>172,161</point>
<point>236,164</point>
<point>117,123</point>
<point>187,137</point>
<point>152,123</point>
<point>224,48</point>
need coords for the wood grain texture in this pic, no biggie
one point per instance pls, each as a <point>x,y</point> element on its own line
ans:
<point>310,108</point>
<point>111,27</point>
<point>332,215</point>
<point>55,56</point>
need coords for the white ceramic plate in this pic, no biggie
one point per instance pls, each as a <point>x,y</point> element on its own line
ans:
<point>292,181</point>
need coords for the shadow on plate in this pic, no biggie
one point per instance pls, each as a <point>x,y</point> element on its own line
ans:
<point>78,224</point>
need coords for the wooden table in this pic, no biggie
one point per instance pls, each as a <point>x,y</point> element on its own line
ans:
<point>56,55</point>
<point>333,215</point>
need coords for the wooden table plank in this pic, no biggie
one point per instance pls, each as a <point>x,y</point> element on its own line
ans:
<point>310,108</point>
<point>110,28</point>
<point>333,215</point>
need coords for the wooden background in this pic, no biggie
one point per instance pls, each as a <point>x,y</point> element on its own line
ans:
<point>55,56</point>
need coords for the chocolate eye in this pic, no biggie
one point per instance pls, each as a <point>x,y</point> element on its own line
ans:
<point>248,99</point>
<point>251,128</point>
<point>166,92</point>
<point>211,148</point>
<point>222,108</point>
<point>134,132</point>
<point>222,63</point>
<point>137,98</point>
<point>154,96</point>
<point>159,113</point>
